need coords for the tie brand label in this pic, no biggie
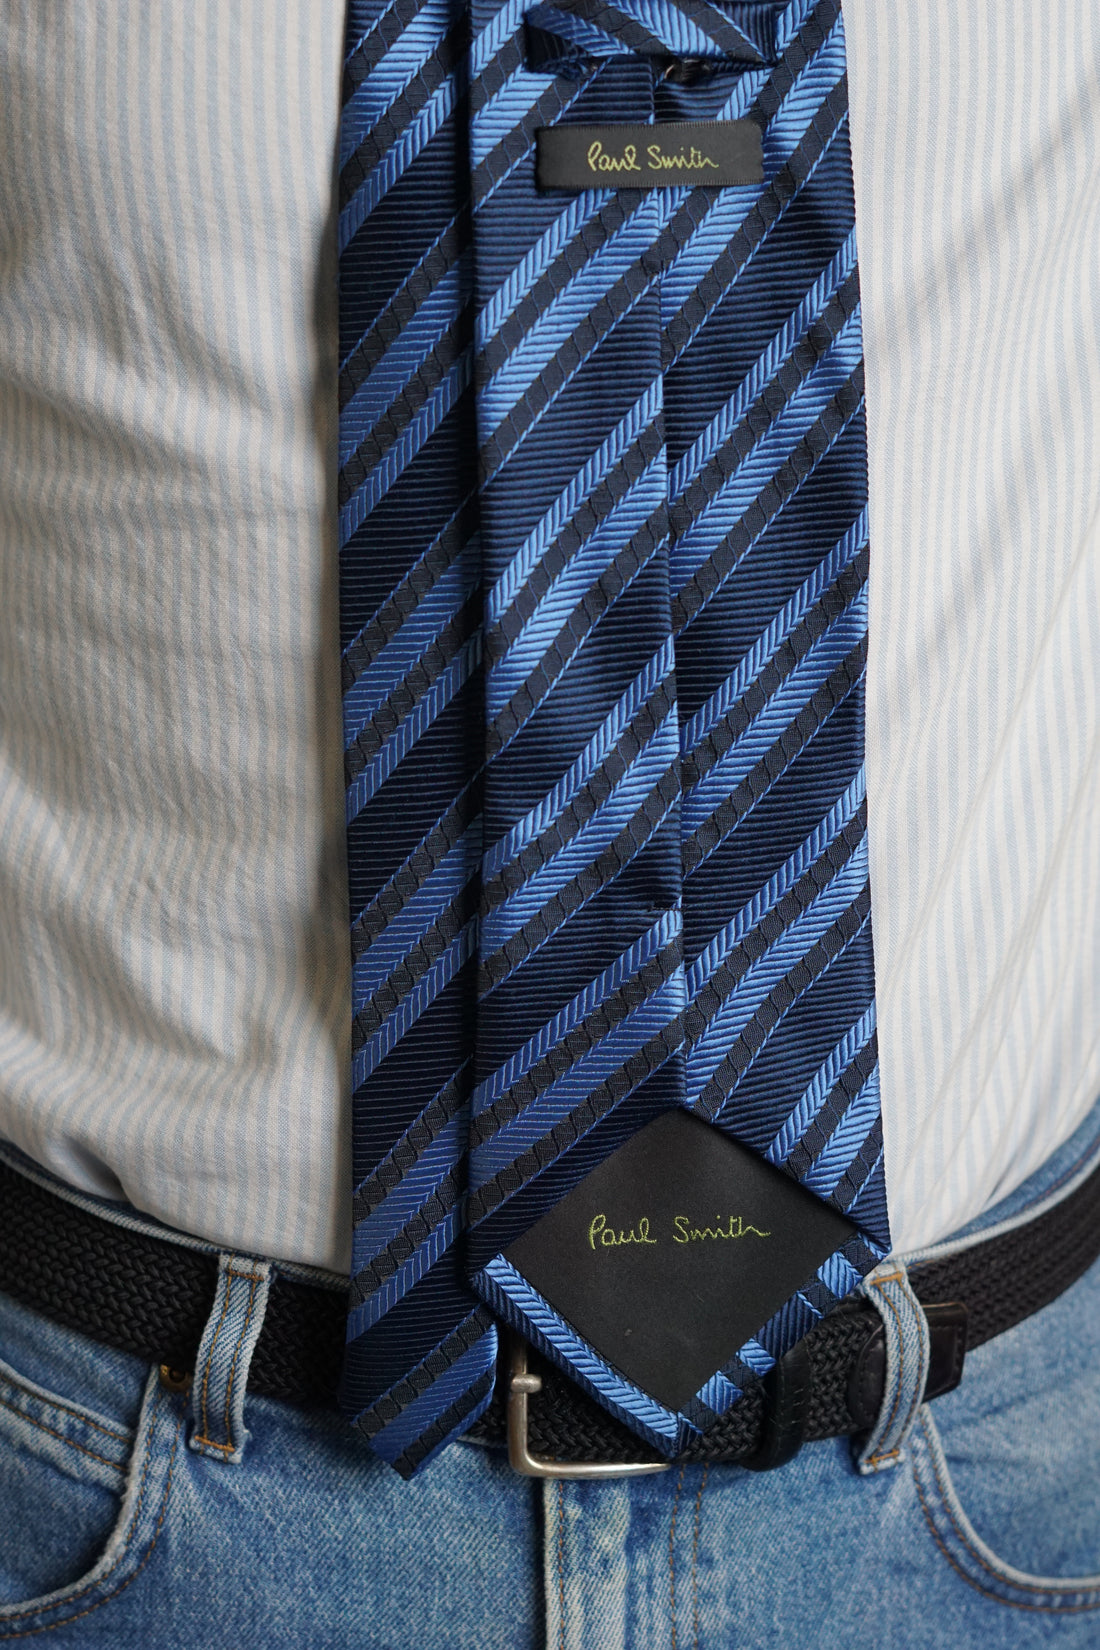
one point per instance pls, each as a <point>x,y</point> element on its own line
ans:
<point>677,154</point>
<point>675,1250</point>
<point>683,1231</point>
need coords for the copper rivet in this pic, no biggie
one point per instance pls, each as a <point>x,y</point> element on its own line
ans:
<point>176,1380</point>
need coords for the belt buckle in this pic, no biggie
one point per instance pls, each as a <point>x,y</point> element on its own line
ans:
<point>522,1383</point>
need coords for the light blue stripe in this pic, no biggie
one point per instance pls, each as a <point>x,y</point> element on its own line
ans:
<point>777,714</point>
<point>397,458</point>
<point>534,263</point>
<point>669,25</point>
<point>392,374</point>
<point>377,962</point>
<point>707,1054</point>
<point>595,470</point>
<point>782,137</point>
<point>397,160</point>
<point>653,827</point>
<point>419,720</point>
<point>731,502</point>
<point>559,1340</point>
<point>658,1011</point>
<point>512,381</point>
<point>420,630</point>
<point>752,913</point>
<point>412,1006</point>
<point>504,113</point>
<point>574,31</point>
<point>868,1188</point>
<point>388,80</point>
<point>667,927</point>
<point>676,29</point>
<point>407,1198</point>
<point>719,1393</point>
<point>839,1151</point>
<point>521,100</point>
<point>630,577</point>
<point>755,1357</point>
<point>789,22</point>
<point>503,26</point>
<point>408,1274</point>
<point>765,647</point>
<point>471,549</point>
<point>445,1390</point>
<point>655,759</point>
<point>723,1110</point>
<point>399,292</point>
<point>598,552</point>
<point>728,419</point>
<point>591,757</point>
<point>821,1086</point>
<point>839,1275</point>
<point>709,596</point>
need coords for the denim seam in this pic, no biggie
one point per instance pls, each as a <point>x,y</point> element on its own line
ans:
<point>21,1615</point>
<point>65,1409</point>
<point>695,1559</point>
<point>561,1565</point>
<point>672,1557</point>
<point>60,1436</point>
<point>1050,1586</point>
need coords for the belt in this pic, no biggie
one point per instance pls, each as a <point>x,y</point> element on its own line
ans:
<point>151,1296</point>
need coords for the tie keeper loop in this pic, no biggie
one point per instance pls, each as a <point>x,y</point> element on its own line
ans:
<point>787,1387</point>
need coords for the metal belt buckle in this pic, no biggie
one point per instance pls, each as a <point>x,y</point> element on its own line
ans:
<point>522,1382</point>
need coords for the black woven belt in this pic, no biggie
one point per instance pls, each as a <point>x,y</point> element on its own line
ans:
<point>151,1297</point>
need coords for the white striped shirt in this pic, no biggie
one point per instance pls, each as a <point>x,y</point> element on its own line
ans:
<point>173,947</point>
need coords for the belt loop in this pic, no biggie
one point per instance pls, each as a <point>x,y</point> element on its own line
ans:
<point>907,1353</point>
<point>225,1353</point>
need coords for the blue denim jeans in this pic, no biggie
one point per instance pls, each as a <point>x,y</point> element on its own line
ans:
<point>135,1515</point>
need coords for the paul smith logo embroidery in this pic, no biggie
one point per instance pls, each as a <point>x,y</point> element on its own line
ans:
<point>666,154</point>
<point>687,160</point>
<point>725,1229</point>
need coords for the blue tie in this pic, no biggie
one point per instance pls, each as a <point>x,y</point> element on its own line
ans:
<point>603,603</point>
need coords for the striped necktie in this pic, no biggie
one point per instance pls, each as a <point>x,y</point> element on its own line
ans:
<point>603,604</point>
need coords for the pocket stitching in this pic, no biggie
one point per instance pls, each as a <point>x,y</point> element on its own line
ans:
<point>42,1397</point>
<point>1050,1587</point>
<point>53,1433</point>
<point>63,1621</point>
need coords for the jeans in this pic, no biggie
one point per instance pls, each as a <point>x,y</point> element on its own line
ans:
<point>132,1514</point>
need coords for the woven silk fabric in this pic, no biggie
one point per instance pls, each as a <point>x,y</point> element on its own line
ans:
<point>603,602</point>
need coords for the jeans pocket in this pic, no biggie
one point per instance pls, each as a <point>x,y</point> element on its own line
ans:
<point>973,1558</point>
<point>82,1500</point>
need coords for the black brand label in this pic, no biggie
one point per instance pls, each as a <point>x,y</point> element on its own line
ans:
<point>678,154</point>
<point>677,1249</point>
